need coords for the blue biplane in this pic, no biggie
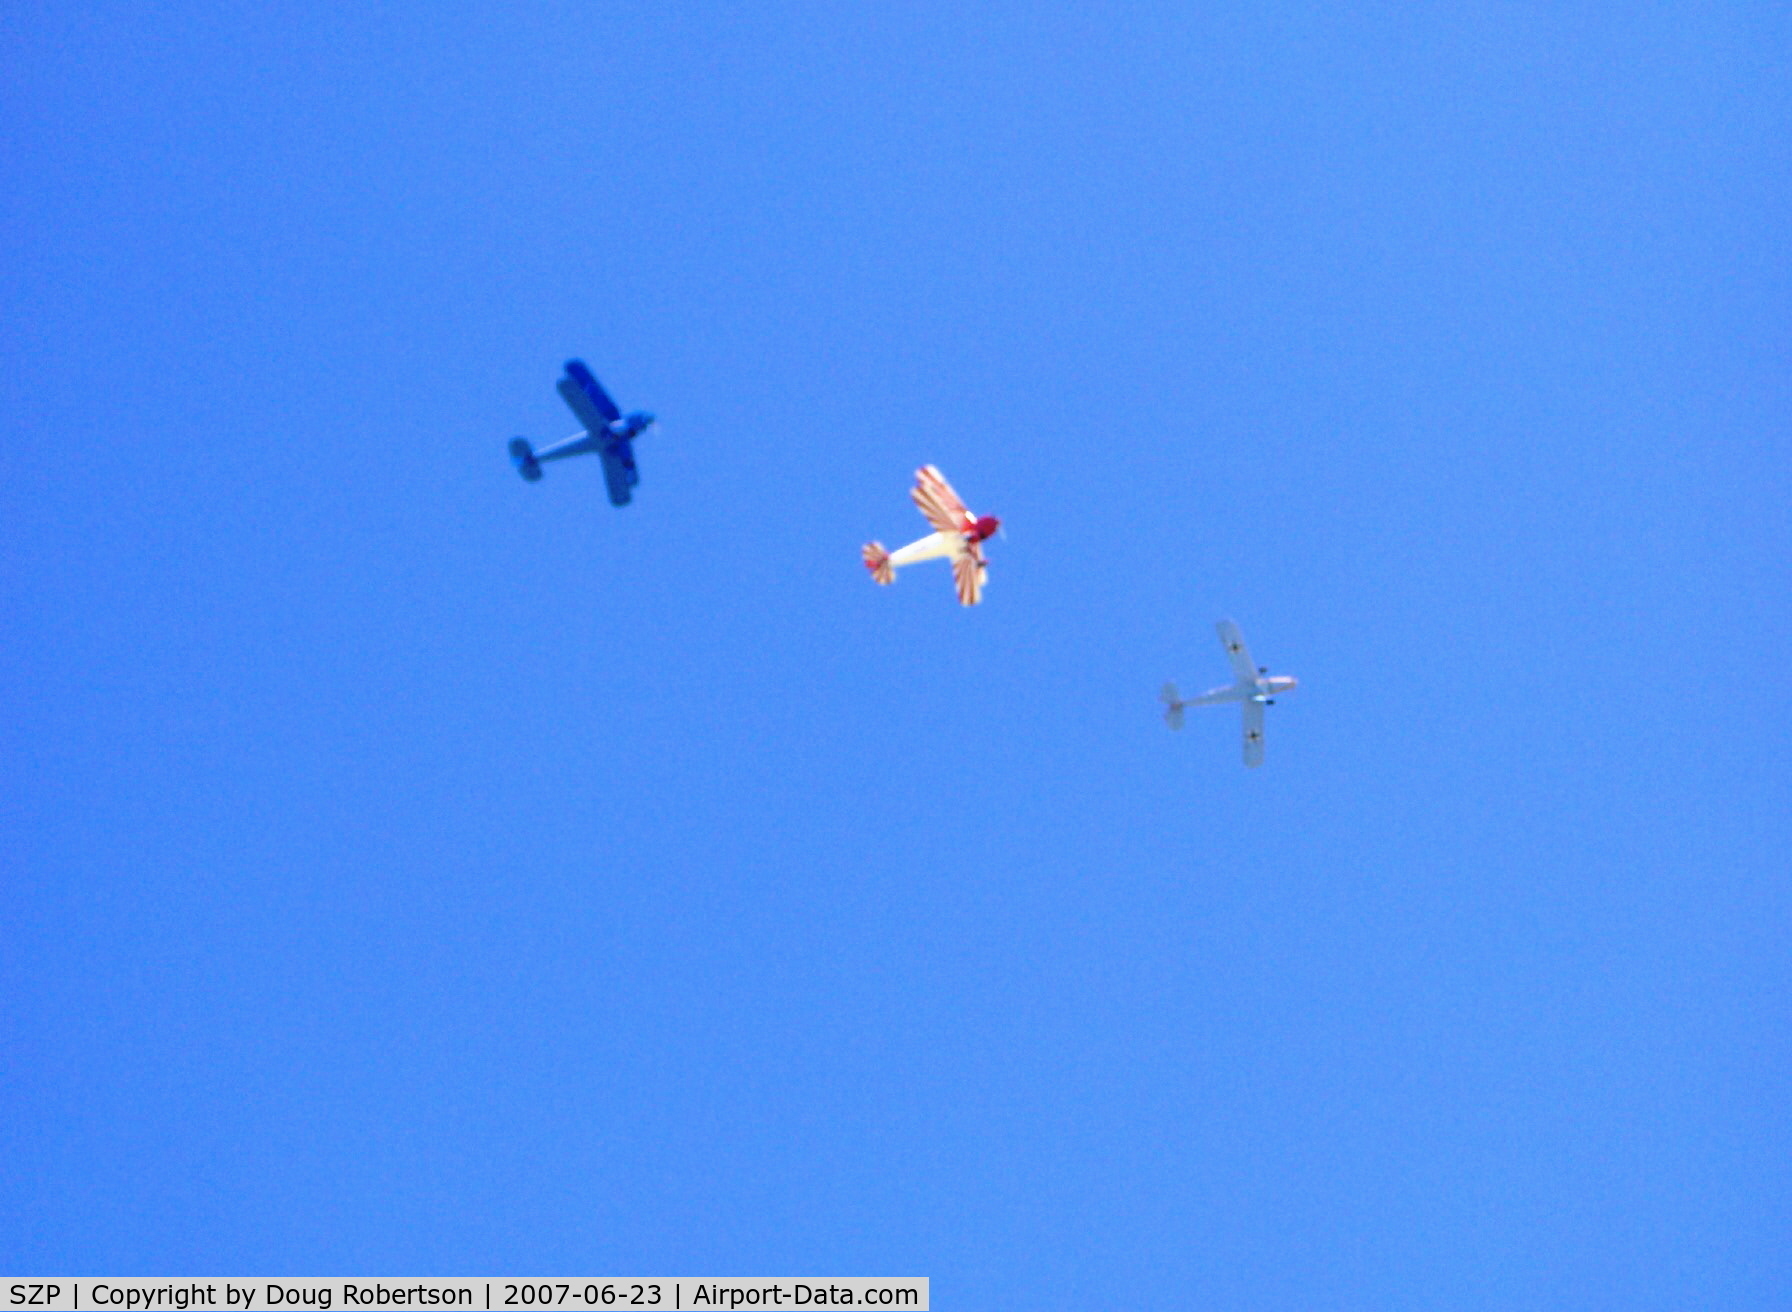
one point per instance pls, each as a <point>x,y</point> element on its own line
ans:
<point>607,431</point>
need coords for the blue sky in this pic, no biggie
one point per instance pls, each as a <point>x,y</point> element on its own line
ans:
<point>413,871</point>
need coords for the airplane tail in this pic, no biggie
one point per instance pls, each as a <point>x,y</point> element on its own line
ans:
<point>522,455</point>
<point>1172,700</point>
<point>877,560</point>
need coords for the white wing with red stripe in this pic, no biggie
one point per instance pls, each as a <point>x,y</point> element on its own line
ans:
<point>936,500</point>
<point>968,574</point>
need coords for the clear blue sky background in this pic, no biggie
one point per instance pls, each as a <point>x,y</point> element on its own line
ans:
<point>410,871</point>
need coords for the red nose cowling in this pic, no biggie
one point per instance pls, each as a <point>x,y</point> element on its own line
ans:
<point>985,528</point>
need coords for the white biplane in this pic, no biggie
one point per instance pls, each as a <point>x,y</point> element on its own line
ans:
<point>1254,686</point>
<point>957,533</point>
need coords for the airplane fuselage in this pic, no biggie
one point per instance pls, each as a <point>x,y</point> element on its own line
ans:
<point>616,431</point>
<point>630,426</point>
<point>1264,688</point>
<point>1268,686</point>
<point>927,548</point>
<point>948,544</point>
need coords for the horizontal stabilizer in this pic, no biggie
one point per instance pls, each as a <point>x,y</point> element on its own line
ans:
<point>522,455</point>
<point>877,560</point>
<point>1172,700</point>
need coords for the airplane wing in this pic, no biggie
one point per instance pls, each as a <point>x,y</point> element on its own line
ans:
<point>586,398</point>
<point>618,473</point>
<point>936,500</point>
<point>1236,651</point>
<point>1253,733</point>
<point>968,574</point>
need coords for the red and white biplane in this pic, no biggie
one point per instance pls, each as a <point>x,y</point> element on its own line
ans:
<point>957,533</point>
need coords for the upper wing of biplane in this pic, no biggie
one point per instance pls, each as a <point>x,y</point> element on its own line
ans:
<point>586,398</point>
<point>935,499</point>
<point>1236,651</point>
